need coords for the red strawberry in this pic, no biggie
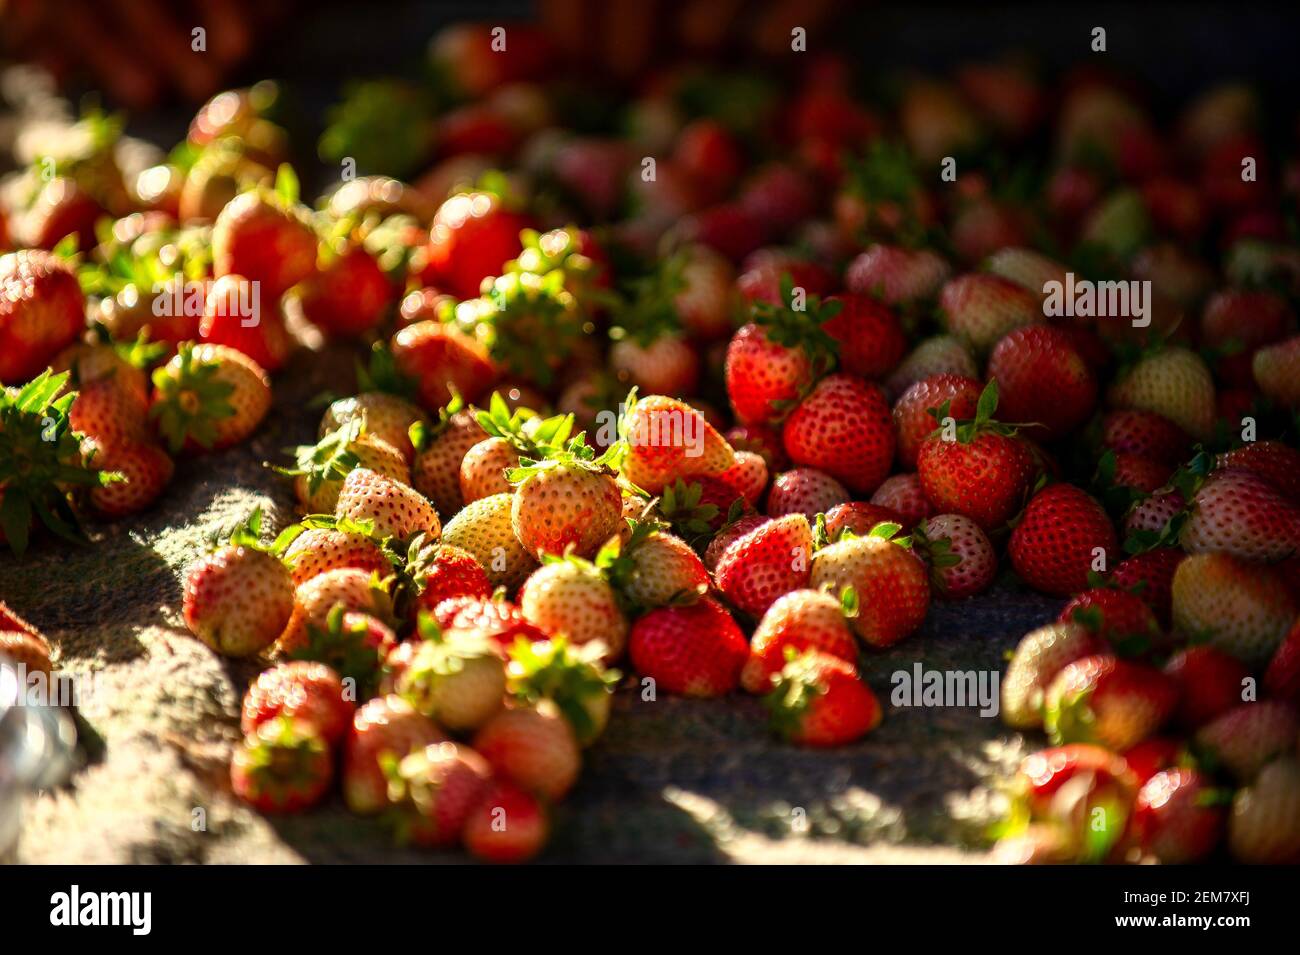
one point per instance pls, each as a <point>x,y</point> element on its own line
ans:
<point>668,439</point>
<point>798,621</point>
<point>236,316</point>
<point>1239,322</point>
<point>666,364</point>
<point>708,153</point>
<point>265,243</point>
<point>763,440</point>
<point>870,337</point>
<point>282,766</point>
<point>1152,755</point>
<point>1178,817</point>
<point>1209,683</point>
<point>449,571</point>
<point>768,561</point>
<point>1101,699</point>
<point>896,275</point>
<point>728,534</point>
<point>694,650</point>
<point>385,727</point>
<point>435,789</point>
<point>146,470</point>
<point>1264,827</point>
<point>1150,575</point>
<point>1139,474</point>
<point>730,229</point>
<point>443,361</point>
<point>349,296</point>
<point>1282,678</point>
<point>305,691</point>
<point>843,427</point>
<point>1038,658</point>
<point>500,620</point>
<point>781,195</point>
<point>912,410</point>
<point>766,270</point>
<point>960,556</point>
<point>747,476</point>
<point>1245,738</point>
<point>1117,616</point>
<point>1042,379</point>
<point>902,493</point>
<point>889,579</point>
<point>979,469</point>
<point>1063,535</point>
<point>472,237</point>
<point>533,747</point>
<point>805,491</point>
<point>42,311</point>
<point>507,825</point>
<point>818,700</point>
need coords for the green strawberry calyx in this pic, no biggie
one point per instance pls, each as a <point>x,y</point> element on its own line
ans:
<point>798,324</point>
<point>794,691</point>
<point>191,399</point>
<point>331,459</point>
<point>570,676</point>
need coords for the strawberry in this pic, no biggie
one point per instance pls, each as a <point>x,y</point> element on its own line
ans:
<point>109,413</point>
<point>506,825</point>
<point>1282,678</point>
<point>264,240</point>
<point>484,466</point>
<point>939,355</point>
<point>472,237</point>
<point>902,494</point>
<point>350,295</point>
<point>770,560</point>
<point>763,440</point>
<point>235,316</point>
<point>1210,683</point>
<point>859,517</point>
<point>435,789</point>
<point>1178,817</point>
<point>982,224</point>
<point>315,598</point>
<point>303,691</point>
<point>1116,616</point>
<point>912,415</point>
<point>1237,323</point>
<point>384,416</point>
<point>897,275</point>
<point>209,397</point>
<point>728,533</point>
<point>1241,608</point>
<point>710,156</point>
<point>572,678</point>
<point>805,491</point>
<point>653,568</point>
<point>533,747</point>
<point>766,271</point>
<point>282,766</point>
<point>960,556</point>
<point>799,620</point>
<point>773,360</point>
<point>979,309</point>
<point>818,700</point>
<point>484,529</point>
<point>29,650</point>
<point>435,471</point>
<point>843,427</point>
<point>446,571</point>
<point>747,476</point>
<point>1240,513</point>
<point>1154,754</point>
<point>238,598</point>
<point>1029,269</point>
<point>869,336</point>
<point>320,469</point>
<point>443,361</point>
<point>666,364</point>
<point>145,469</point>
<point>1043,379</point>
<point>1172,382</point>
<point>1275,462</point>
<point>500,620</point>
<point>385,727</point>
<point>667,439</point>
<point>1248,736</point>
<point>320,549</point>
<point>1275,368</point>
<point>1138,474</point>
<point>42,310</point>
<point>572,597</point>
<point>568,500</point>
<point>355,644</point>
<point>1038,658</point>
<point>781,195</point>
<point>983,473</point>
<point>693,650</point>
<point>455,677</point>
<point>1264,827</point>
<point>1060,539</point>
<point>393,508</point>
<point>1114,703</point>
<point>890,581</point>
<point>705,298</point>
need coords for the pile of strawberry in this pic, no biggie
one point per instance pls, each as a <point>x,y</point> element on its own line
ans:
<point>536,478</point>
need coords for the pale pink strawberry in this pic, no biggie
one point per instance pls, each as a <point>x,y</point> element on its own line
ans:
<point>896,275</point>
<point>395,509</point>
<point>318,549</point>
<point>747,476</point>
<point>1240,513</point>
<point>902,493</point>
<point>806,491</point>
<point>961,558</point>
